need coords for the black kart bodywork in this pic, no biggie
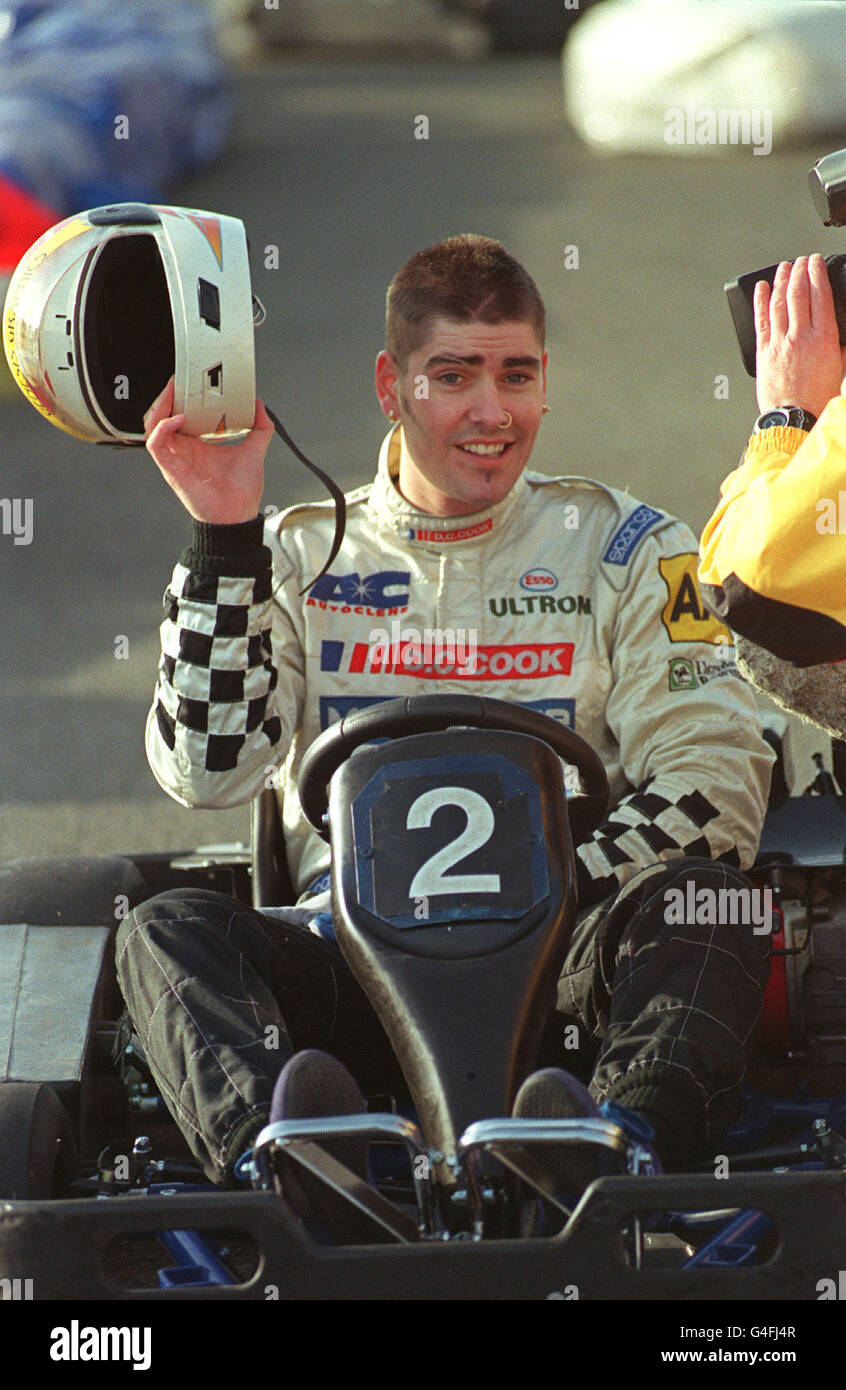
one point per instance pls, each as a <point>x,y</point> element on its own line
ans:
<point>99,1197</point>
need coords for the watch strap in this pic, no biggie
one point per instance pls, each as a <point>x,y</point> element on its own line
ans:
<point>789,416</point>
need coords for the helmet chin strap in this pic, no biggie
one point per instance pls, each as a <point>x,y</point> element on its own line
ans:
<point>329,483</point>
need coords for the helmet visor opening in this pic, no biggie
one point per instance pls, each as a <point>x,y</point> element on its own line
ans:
<point>127,331</point>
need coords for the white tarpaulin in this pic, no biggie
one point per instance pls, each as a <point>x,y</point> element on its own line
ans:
<point>706,76</point>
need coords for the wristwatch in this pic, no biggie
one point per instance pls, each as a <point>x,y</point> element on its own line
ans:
<point>790,415</point>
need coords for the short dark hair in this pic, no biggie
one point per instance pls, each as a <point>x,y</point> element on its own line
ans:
<point>466,278</point>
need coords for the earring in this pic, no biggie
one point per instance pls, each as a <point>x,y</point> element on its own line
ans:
<point>545,409</point>
<point>392,416</point>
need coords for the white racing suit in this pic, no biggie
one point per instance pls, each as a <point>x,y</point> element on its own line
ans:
<point>568,596</point>
<point>577,600</point>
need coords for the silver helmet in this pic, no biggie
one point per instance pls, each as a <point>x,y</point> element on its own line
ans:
<point>109,304</point>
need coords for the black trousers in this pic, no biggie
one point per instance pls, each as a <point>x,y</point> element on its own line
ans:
<point>656,1014</point>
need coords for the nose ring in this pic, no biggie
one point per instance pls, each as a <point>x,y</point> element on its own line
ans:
<point>509,421</point>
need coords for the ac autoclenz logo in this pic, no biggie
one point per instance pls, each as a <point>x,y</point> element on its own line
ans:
<point>385,591</point>
<point>75,1343</point>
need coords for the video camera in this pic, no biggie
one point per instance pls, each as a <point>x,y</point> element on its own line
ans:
<point>828,189</point>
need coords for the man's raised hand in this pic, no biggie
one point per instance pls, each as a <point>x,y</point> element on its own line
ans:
<point>799,360</point>
<point>215,482</point>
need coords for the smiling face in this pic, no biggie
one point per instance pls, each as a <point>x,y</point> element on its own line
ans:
<point>456,457</point>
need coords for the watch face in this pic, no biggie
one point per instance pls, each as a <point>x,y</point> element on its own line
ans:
<point>773,417</point>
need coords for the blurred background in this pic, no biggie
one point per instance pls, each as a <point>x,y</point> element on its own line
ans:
<point>546,125</point>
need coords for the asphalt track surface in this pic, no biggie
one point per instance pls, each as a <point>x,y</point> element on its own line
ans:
<point>325,165</point>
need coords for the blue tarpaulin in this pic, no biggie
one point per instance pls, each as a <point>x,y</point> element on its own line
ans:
<point>108,100</point>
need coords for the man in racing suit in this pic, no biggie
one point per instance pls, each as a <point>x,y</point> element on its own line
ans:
<point>773,555</point>
<point>560,593</point>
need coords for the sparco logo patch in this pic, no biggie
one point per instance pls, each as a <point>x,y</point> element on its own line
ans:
<point>520,661</point>
<point>625,539</point>
<point>538,581</point>
<point>683,615</point>
<point>466,533</point>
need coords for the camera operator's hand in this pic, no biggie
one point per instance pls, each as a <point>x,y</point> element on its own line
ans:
<point>219,482</point>
<point>799,359</point>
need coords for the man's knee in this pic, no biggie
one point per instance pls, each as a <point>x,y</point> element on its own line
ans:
<point>674,873</point>
<point>690,900</point>
<point>160,924</point>
<point>165,907</point>
<point>717,901</point>
<point>692,892</point>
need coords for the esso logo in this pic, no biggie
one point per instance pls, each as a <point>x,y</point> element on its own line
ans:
<point>538,579</point>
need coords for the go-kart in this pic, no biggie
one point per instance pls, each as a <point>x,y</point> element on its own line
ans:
<point>453,895</point>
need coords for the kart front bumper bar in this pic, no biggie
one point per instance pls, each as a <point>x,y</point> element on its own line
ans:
<point>62,1245</point>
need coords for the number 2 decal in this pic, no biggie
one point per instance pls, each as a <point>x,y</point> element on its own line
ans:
<point>429,879</point>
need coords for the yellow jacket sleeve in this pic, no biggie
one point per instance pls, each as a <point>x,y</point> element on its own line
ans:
<point>773,555</point>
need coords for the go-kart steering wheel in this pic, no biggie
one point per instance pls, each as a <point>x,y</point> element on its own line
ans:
<point>418,714</point>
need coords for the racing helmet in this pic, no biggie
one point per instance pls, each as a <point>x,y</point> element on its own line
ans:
<point>107,305</point>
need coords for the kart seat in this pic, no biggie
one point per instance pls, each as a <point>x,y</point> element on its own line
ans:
<point>461,968</point>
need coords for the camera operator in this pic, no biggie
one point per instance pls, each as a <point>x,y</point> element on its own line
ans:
<point>773,555</point>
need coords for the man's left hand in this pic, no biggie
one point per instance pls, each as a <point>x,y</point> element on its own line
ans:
<point>799,360</point>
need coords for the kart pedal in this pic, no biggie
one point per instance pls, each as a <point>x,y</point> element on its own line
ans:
<point>327,1185</point>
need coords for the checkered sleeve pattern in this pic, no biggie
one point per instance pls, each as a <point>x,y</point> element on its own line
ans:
<point>644,828</point>
<point>215,724</point>
<point>217,671</point>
